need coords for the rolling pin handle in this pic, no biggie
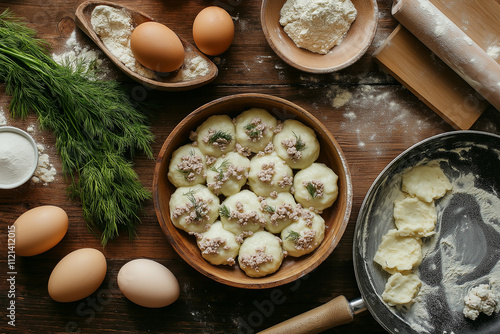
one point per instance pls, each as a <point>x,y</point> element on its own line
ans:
<point>334,313</point>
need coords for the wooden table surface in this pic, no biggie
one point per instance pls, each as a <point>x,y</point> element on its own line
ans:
<point>378,121</point>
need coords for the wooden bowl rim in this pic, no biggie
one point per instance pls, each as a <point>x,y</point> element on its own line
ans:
<point>167,226</point>
<point>82,21</point>
<point>306,67</point>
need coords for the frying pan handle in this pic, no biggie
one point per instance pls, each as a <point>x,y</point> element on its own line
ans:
<point>334,313</point>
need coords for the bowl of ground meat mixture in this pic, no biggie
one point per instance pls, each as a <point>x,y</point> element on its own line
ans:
<point>252,191</point>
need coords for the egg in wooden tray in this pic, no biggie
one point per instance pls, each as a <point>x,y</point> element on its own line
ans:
<point>224,195</point>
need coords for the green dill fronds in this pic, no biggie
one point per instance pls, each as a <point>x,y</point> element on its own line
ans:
<point>221,169</point>
<point>224,211</point>
<point>219,134</point>
<point>251,132</point>
<point>97,127</point>
<point>269,209</point>
<point>196,204</point>
<point>299,143</point>
<point>311,189</point>
<point>292,235</point>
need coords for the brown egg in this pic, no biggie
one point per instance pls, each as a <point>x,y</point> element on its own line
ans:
<point>213,30</point>
<point>77,275</point>
<point>39,229</point>
<point>148,283</point>
<point>157,47</point>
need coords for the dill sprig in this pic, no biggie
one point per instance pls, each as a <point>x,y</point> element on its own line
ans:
<point>197,205</point>
<point>221,169</point>
<point>96,126</point>
<point>299,143</point>
<point>251,132</point>
<point>219,134</point>
<point>269,209</point>
<point>311,189</point>
<point>292,235</point>
<point>224,211</point>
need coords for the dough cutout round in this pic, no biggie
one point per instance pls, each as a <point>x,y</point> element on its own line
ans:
<point>193,209</point>
<point>401,289</point>
<point>218,246</point>
<point>296,144</point>
<point>269,173</point>
<point>187,166</point>
<point>261,254</point>
<point>415,217</point>
<point>426,182</point>
<point>228,174</point>
<point>398,253</point>
<point>316,186</point>
<point>255,129</point>
<point>303,236</point>
<point>241,214</point>
<point>216,136</point>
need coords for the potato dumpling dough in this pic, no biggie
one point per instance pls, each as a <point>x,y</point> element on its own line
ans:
<point>303,236</point>
<point>219,246</point>
<point>193,209</point>
<point>296,144</point>
<point>255,129</point>
<point>241,214</point>
<point>401,289</point>
<point>280,211</point>
<point>316,186</point>
<point>187,166</point>
<point>216,136</point>
<point>426,182</point>
<point>414,217</point>
<point>269,173</point>
<point>261,254</point>
<point>398,253</point>
<point>228,174</point>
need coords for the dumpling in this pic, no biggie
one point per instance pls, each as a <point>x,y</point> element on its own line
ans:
<point>398,253</point>
<point>261,254</point>
<point>187,166</point>
<point>228,174</point>
<point>241,214</point>
<point>269,173</point>
<point>255,129</point>
<point>193,209</point>
<point>316,186</point>
<point>218,246</point>
<point>305,235</point>
<point>280,211</point>
<point>296,144</point>
<point>216,136</point>
<point>426,182</point>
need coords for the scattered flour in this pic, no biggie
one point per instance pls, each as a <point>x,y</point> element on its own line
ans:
<point>3,120</point>
<point>84,59</point>
<point>339,96</point>
<point>45,171</point>
<point>494,51</point>
<point>193,68</point>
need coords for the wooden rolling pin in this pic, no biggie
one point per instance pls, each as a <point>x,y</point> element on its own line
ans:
<point>451,45</point>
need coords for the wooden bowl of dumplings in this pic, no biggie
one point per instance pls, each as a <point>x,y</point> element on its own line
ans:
<point>336,216</point>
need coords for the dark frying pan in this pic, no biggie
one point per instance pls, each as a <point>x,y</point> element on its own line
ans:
<point>464,253</point>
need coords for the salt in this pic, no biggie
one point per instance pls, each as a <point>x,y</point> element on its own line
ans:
<point>17,158</point>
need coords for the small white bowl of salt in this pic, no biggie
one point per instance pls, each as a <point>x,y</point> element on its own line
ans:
<point>18,157</point>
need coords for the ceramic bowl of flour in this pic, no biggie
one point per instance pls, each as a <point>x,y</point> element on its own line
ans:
<point>18,157</point>
<point>352,47</point>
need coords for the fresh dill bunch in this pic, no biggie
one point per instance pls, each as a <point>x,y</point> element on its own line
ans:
<point>197,205</point>
<point>221,169</point>
<point>292,235</point>
<point>97,127</point>
<point>299,143</point>
<point>311,189</point>
<point>224,211</point>
<point>219,134</point>
<point>251,132</point>
<point>269,209</point>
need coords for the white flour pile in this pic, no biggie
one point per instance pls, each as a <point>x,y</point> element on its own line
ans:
<point>17,157</point>
<point>317,25</point>
<point>45,171</point>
